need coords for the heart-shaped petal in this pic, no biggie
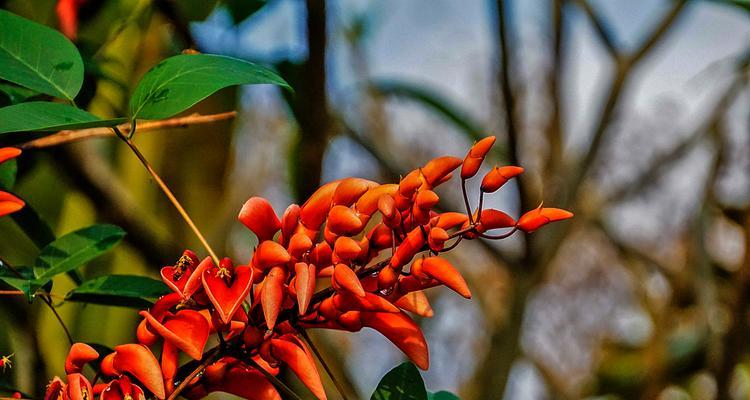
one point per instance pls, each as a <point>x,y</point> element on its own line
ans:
<point>227,298</point>
<point>188,330</point>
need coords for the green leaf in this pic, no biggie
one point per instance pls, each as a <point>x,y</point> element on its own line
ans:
<point>442,395</point>
<point>119,290</point>
<point>401,383</point>
<point>38,57</point>
<point>48,117</point>
<point>25,283</point>
<point>8,172</point>
<point>75,249</point>
<point>17,94</point>
<point>179,82</point>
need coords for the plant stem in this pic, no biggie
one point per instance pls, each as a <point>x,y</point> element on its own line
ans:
<point>167,192</point>
<point>211,357</point>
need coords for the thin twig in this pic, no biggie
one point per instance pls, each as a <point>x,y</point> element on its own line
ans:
<point>164,188</point>
<point>211,357</point>
<point>312,346</point>
<point>51,306</point>
<point>602,29</point>
<point>69,136</point>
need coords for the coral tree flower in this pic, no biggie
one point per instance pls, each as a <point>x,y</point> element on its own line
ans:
<point>357,254</point>
<point>8,202</point>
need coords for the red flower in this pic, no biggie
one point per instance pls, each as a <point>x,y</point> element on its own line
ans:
<point>540,216</point>
<point>8,202</point>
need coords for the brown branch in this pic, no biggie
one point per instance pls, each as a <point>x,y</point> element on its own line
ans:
<point>553,130</point>
<point>602,30</point>
<point>68,136</point>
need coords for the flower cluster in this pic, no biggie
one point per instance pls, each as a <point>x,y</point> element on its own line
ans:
<point>378,245</point>
<point>8,202</point>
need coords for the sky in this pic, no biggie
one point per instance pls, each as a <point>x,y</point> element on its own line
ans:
<point>448,46</point>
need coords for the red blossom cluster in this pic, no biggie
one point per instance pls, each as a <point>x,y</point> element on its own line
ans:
<point>353,233</point>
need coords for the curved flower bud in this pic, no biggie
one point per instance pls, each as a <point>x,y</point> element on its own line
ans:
<point>299,244</point>
<point>346,249</point>
<point>79,355</point>
<point>342,220</point>
<point>444,272</point>
<point>9,203</point>
<point>8,153</point>
<point>138,361</point>
<point>345,279</point>
<point>257,215</point>
<point>437,238</point>
<point>187,330</point>
<point>540,216</point>
<point>498,176</point>
<point>401,331</point>
<point>417,303</point>
<point>269,254</point>
<point>300,362</point>
<point>475,157</point>
<point>438,168</point>
<point>350,190</point>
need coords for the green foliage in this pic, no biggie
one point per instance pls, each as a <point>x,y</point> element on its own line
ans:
<point>75,249</point>
<point>48,117</point>
<point>38,57</point>
<point>8,171</point>
<point>119,290</point>
<point>401,383</point>
<point>16,94</point>
<point>179,82</point>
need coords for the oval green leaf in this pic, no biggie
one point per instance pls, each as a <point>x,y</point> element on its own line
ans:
<point>119,290</point>
<point>401,383</point>
<point>38,57</point>
<point>75,249</point>
<point>179,82</point>
<point>48,117</point>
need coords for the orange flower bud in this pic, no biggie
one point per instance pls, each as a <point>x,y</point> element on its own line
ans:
<point>258,215</point>
<point>138,360</point>
<point>437,238</point>
<point>299,244</point>
<point>79,355</point>
<point>345,279</point>
<point>476,156</point>
<point>321,254</point>
<point>438,168</point>
<point>426,199</point>
<point>313,213</point>
<point>387,206</point>
<point>350,190</point>
<point>348,302</point>
<point>540,216</point>
<point>9,204</point>
<point>289,221</point>
<point>269,254</point>
<point>368,203</point>
<point>342,220</point>
<point>417,303</point>
<point>304,285</point>
<point>273,295</point>
<point>401,331</point>
<point>381,237</point>
<point>411,245</point>
<point>442,271</point>
<point>300,362</point>
<point>7,153</point>
<point>494,219</point>
<point>346,249</point>
<point>498,176</point>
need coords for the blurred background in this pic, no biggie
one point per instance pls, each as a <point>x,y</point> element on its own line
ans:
<point>633,114</point>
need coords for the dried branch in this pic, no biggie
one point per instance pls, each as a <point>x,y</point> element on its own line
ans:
<point>602,29</point>
<point>69,136</point>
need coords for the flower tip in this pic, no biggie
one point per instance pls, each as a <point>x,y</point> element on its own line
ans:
<point>8,153</point>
